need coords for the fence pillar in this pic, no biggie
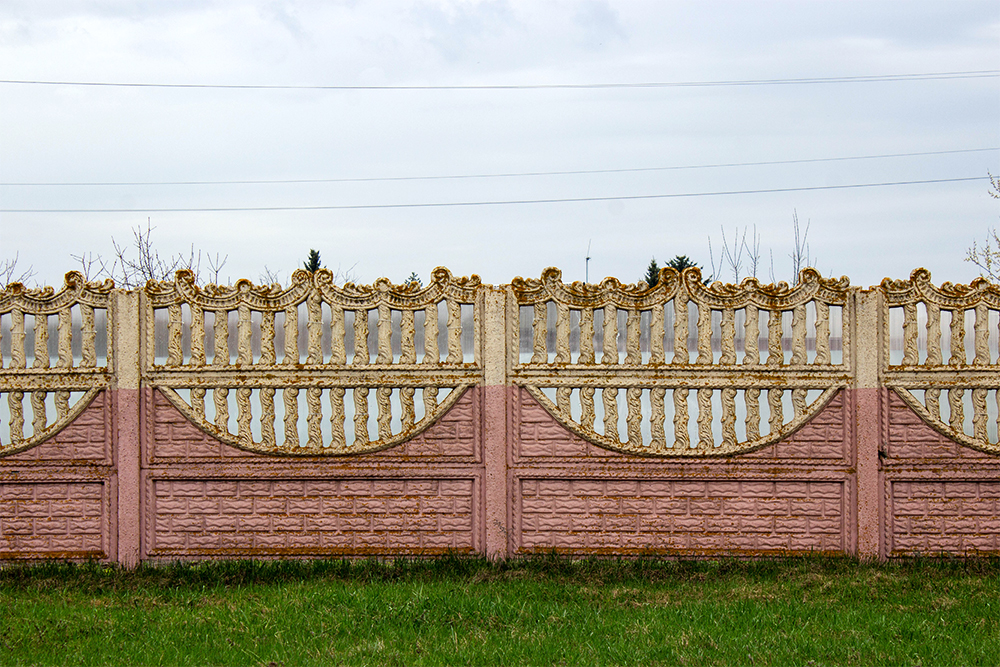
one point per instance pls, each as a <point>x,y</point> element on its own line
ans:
<point>867,424</point>
<point>495,406</point>
<point>125,390</point>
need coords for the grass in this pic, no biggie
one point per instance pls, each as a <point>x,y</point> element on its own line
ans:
<point>536,611</point>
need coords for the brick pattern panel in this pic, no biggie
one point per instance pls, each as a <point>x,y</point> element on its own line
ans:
<point>174,436</point>
<point>310,517</point>
<point>681,517</point>
<point>910,437</point>
<point>824,438</point>
<point>86,438</point>
<point>52,520</point>
<point>958,517</point>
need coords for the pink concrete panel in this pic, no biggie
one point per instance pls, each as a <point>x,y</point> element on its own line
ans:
<point>310,517</point>
<point>944,516</point>
<point>680,517</point>
<point>909,437</point>
<point>824,438</point>
<point>53,520</point>
<point>87,439</point>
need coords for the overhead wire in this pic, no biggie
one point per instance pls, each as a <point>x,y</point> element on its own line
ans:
<point>553,200</point>
<point>575,172</point>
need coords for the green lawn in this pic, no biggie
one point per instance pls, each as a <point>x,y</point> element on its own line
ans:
<point>537,611</point>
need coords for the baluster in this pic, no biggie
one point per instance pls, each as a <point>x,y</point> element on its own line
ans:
<point>38,420</point>
<point>997,399</point>
<point>198,402</point>
<point>198,336</point>
<point>587,414</point>
<point>243,416</point>
<point>798,402</point>
<point>382,396</point>
<point>65,335</point>
<point>268,354</point>
<point>799,356</point>
<point>454,332</point>
<point>338,439</point>
<point>775,355</point>
<point>384,325</point>
<point>957,417</point>
<point>267,436</point>
<point>292,337</point>
<point>15,407</point>
<point>777,417</point>
<point>681,355</point>
<point>62,403</point>
<point>407,338</point>
<point>88,334</point>
<point>338,350</point>
<point>610,397</point>
<point>562,334</point>
<point>361,353</point>
<point>751,344</point>
<point>633,353</point>
<point>728,417</point>
<point>822,333</point>
<point>221,356</point>
<point>314,327</point>
<point>361,417</point>
<point>982,336</point>
<point>656,354</point>
<point>727,329</point>
<point>431,353</point>
<point>17,358</point>
<point>538,329</point>
<point>979,416</point>
<point>657,416</point>
<point>586,336</point>
<point>244,351</point>
<point>563,395</point>
<point>633,399</point>
<point>704,335</point>
<point>314,417</point>
<point>682,438</point>
<point>932,400</point>
<point>752,398</point>
<point>409,416</point>
<point>430,401</point>
<point>933,335</point>
<point>175,354</point>
<point>957,338</point>
<point>221,397</point>
<point>609,354</point>
<point>41,341</point>
<point>705,438</point>
<point>290,396</point>
<point>911,352</point>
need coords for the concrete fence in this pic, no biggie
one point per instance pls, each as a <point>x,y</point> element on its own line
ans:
<point>182,422</point>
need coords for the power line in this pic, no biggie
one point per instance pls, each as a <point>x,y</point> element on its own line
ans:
<point>500,175</point>
<point>560,200</point>
<point>922,76</point>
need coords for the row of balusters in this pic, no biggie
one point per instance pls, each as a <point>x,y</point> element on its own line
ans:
<point>932,335</point>
<point>314,339</point>
<point>266,414</point>
<point>40,416</point>
<point>634,334</point>
<point>13,327</point>
<point>656,400</point>
<point>985,413</point>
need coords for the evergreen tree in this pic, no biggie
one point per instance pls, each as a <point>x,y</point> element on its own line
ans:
<point>312,264</point>
<point>652,273</point>
<point>414,278</point>
<point>681,262</point>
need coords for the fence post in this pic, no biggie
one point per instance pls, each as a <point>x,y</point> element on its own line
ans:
<point>494,424</point>
<point>126,401</point>
<point>867,424</point>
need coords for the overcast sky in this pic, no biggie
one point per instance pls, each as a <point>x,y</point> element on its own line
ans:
<point>54,134</point>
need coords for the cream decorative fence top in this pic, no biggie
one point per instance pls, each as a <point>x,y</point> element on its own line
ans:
<point>251,326</point>
<point>61,361</point>
<point>682,369</point>
<point>725,327</point>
